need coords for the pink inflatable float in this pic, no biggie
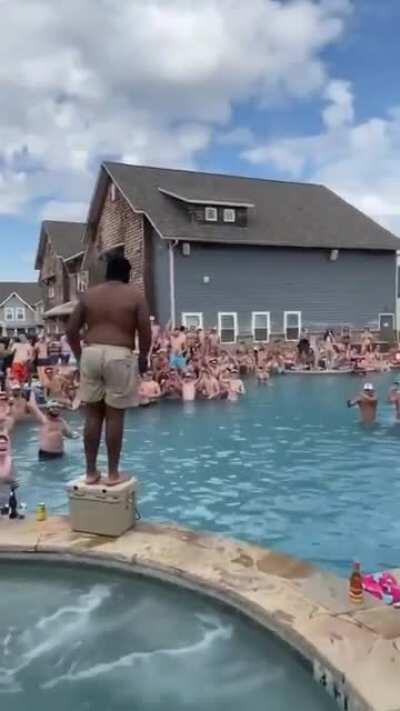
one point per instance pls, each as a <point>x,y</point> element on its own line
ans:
<point>383,586</point>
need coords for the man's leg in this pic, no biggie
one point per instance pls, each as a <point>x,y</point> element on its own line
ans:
<point>114,436</point>
<point>92,434</point>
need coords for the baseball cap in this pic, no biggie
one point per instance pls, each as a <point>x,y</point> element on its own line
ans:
<point>368,387</point>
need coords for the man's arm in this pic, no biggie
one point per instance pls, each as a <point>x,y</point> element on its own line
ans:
<point>73,330</point>
<point>144,332</point>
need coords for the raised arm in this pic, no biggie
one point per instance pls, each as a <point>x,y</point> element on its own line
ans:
<point>73,330</point>
<point>34,408</point>
<point>144,331</point>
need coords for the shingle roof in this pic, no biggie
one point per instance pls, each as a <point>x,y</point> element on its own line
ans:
<point>67,237</point>
<point>284,214</point>
<point>29,291</point>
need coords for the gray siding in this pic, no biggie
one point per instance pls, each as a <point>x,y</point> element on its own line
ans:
<point>31,320</point>
<point>351,291</point>
<point>160,278</point>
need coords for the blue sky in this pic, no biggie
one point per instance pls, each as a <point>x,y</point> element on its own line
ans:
<point>302,90</point>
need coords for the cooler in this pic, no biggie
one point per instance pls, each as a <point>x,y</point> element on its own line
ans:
<point>105,510</point>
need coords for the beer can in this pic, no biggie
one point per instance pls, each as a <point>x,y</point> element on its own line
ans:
<point>41,512</point>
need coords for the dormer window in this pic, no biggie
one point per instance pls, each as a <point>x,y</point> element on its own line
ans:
<point>211,214</point>
<point>229,214</point>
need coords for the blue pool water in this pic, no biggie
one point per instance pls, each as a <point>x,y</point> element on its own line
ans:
<point>289,467</point>
<point>75,639</point>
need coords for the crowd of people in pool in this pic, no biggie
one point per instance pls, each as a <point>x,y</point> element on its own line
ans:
<point>39,377</point>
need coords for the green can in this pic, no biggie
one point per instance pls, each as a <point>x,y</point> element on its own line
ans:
<point>41,512</point>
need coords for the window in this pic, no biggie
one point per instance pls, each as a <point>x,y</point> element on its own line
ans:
<point>227,327</point>
<point>211,214</point>
<point>83,281</point>
<point>194,320</point>
<point>292,325</point>
<point>229,214</point>
<point>398,282</point>
<point>8,314</point>
<point>261,326</point>
<point>20,313</point>
<point>51,291</point>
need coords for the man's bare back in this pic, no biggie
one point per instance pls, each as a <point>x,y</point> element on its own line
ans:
<point>113,313</point>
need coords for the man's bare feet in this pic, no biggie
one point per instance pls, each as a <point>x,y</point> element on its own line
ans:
<point>114,480</point>
<point>92,479</point>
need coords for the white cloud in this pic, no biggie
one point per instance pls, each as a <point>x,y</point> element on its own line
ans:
<point>360,161</point>
<point>58,210</point>
<point>340,109</point>
<point>145,81</point>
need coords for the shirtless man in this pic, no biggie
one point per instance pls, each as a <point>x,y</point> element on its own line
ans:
<point>23,356</point>
<point>367,401</point>
<point>19,406</point>
<point>149,390</point>
<point>53,429</point>
<point>213,342</point>
<point>114,312</point>
<point>178,345</point>
<point>42,355</point>
<point>7,474</point>
<point>394,397</point>
<point>188,387</point>
<point>236,387</point>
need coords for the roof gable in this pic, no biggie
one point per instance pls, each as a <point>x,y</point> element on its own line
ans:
<point>29,293</point>
<point>284,214</point>
<point>65,237</point>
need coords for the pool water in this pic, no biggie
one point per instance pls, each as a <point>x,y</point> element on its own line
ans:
<point>74,638</point>
<point>289,467</point>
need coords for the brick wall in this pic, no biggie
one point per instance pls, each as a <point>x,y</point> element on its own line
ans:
<point>119,224</point>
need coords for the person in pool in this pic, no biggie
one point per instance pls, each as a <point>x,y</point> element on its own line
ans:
<point>394,397</point>
<point>367,402</point>
<point>53,429</point>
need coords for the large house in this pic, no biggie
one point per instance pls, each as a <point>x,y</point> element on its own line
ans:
<point>21,308</point>
<point>252,257</point>
<point>59,261</point>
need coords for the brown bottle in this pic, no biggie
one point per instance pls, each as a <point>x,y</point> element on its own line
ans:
<point>356,592</point>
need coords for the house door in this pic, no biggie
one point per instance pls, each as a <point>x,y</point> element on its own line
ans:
<point>386,327</point>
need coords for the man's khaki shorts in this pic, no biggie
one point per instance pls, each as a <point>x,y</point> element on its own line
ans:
<point>109,373</point>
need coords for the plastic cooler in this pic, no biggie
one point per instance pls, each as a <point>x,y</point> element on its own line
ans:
<point>105,510</point>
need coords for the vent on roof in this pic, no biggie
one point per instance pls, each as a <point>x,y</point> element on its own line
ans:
<point>229,214</point>
<point>113,192</point>
<point>211,214</point>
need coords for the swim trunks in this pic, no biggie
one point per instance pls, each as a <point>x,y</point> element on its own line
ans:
<point>19,372</point>
<point>109,373</point>
<point>49,455</point>
<point>178,362</point>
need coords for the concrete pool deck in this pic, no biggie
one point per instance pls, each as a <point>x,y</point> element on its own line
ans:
<point>354,650</point>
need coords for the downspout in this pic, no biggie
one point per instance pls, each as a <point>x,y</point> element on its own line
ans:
<point>171,247</point>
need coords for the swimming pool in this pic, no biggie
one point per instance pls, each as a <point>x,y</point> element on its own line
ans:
<point>288,467</point>
<point>83,639</point>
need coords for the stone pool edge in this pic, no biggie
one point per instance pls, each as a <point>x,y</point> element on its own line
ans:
<point>354,650</point>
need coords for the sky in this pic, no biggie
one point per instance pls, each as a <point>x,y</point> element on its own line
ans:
<point>303,90</point>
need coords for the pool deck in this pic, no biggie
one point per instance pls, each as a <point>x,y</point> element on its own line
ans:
<point>354,650</point>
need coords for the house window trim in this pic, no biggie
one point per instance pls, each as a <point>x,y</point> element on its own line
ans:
<point>7,311</point>
<point>285,326</point>
<point>229,210</point>
<point>186,314</point>
<point>20,309</point>
<point>208,219</point>
<point>235,325</point>
<point>254,315</point>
